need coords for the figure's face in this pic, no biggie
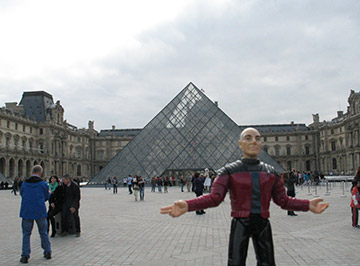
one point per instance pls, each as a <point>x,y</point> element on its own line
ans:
<point>250,143</point>
<point>53,180</point>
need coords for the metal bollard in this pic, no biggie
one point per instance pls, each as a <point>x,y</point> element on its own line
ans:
<point>309,192</point>
<point>343,190</point>
<point>327,192</point>
<point>346,184</point>
<point>316,194</point>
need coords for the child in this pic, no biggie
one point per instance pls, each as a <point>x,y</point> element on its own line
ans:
<point>355,203</point>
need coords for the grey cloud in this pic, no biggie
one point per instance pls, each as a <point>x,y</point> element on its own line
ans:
<point>274,62</point>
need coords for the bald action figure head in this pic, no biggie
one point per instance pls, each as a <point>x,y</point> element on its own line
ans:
<point>250,143</point>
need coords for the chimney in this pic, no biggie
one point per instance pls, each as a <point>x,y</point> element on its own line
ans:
<point>113,127</point>
<point>316,118</point>
<point>216,103</point>
<point>340,113</point>
<point>91,124</point>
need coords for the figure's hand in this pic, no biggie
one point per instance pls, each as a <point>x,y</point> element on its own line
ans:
<point>72,210</point>
<point>316,206</point>
<point>179,208</point>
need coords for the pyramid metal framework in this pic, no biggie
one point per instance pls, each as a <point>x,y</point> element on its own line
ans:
<point>191,132</point>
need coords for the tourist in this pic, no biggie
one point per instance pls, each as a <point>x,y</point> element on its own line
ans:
<point>207,183</point>
<point>188,182</point>
<point>252,184</point>
<point>34,193</point>
<point>2,185</point>
<point>173,181</point>
<point>124,181</point>
<point>115,184</point>
<point>15,186</point>
<point>159,183</point>
<point>129,182</point>
<point>109,181</point>
<point>355,203</point>
<point>141,182</point>
<point>199,189</point>
<point>55,202</point>
<point>290,185</point>
<point>153,183</point>
<point>166,184</point>
<point>136,187</point>
<point>71,205</point>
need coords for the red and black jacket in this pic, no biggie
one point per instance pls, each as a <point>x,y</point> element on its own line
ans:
<point>252,184</point>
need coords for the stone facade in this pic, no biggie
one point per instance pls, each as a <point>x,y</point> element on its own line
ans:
<point>330,147</point>
<point>35,132</point>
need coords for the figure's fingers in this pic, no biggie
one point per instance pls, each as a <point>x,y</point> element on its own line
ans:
<point>324,206</point>
<point>166,210</point>
<point>317,200</point>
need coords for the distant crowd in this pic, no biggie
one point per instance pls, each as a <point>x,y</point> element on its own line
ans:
<point>304,178</point>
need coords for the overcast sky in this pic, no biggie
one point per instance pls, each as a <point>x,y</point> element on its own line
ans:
<point>120,62</point>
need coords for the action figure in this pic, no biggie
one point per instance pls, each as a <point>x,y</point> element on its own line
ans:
<point>252,184</point>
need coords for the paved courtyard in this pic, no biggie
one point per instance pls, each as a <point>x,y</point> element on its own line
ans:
<point>116,230</point>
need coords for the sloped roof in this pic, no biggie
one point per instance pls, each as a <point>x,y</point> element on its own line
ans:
<point>276,128</point>
<point>191,132</point>
<point>35,104</point>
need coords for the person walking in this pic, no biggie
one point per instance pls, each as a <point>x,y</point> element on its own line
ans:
<point>109,183</point>
<point>136,187</point>
<point>141,182</point>
<point>290,185</point>
<point>55,202</point>
<point>166,184</point>
<point>207,183</point>
<point>15,186</point>
<point>115,184</point>
<point>34,193</point>
<point>129,182</point>
<point>159,183</point>
<point>355,204</point>
<point>199,189</point>
<point>71,205</point>
<point>153,184</point>
<point>183,182</point>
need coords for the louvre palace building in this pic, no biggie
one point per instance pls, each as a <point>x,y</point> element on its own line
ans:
<point>34,131</point>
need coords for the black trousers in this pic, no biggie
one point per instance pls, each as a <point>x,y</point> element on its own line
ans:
<point>51,216</point>
<point>199,194</point>
<point>64,219</point>
<point>291,193</point>
<point>259,230</point>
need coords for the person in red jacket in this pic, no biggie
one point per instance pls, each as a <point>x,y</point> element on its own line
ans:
<point>355,205</point>
<point>251,184</point>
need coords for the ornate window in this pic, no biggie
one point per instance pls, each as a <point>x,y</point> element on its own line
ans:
<point>333,146</point>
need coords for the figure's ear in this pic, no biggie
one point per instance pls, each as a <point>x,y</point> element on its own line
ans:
<point>240,143</point>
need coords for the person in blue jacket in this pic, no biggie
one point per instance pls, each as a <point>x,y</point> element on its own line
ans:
<point>34,192</point>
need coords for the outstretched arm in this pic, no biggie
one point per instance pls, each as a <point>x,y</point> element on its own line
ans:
<point>179,208</point>
<point>317,206</point>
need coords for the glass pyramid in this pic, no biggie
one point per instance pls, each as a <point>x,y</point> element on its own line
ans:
<point>191,132</point>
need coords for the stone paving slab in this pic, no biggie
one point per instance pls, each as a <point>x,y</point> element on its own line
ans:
<point>116,230</point>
